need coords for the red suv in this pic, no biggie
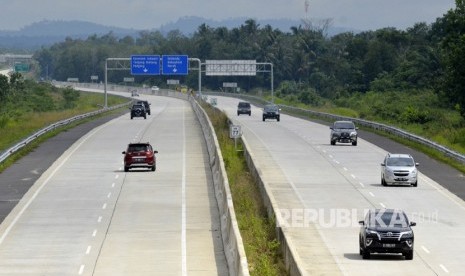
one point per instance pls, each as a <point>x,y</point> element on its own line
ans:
<point>140,155</point>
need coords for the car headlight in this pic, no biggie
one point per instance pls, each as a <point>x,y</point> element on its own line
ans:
<point>406,234</point>
<point>372,232</point>
<point>353,134</point>
<point>414,172</point>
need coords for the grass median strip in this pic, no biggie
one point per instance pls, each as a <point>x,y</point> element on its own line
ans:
<point>258,231</point>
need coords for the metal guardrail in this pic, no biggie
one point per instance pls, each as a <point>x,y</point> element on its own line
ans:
<point>7,153</point>
<point>373,125</point>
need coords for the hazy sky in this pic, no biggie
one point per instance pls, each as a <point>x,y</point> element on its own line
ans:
<point>148,14</point>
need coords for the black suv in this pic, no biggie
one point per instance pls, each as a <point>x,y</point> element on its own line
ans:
<point>146,105</point>
<point>271,111</point>
<point>243,108</point>
<point>386,231</point>
<point>138,110</point>
<point>343,132</point>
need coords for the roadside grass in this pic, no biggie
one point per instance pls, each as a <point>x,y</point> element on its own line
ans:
<point>257,229</point>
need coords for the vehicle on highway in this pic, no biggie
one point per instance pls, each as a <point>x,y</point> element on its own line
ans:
<point>271,111</point>
<point>146,105</point>
<point>343,132</point>
<point>140,155</point>
<point>399,169</point>
<point>138,110</point>
<point>386,231</point>
<point>155,88</point>
<point>134,93</point>
<point>243,108</point>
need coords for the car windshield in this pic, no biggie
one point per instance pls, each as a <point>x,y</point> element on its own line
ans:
<point>400,162</point>
<point>388,219</point>
<point>136,148</point>
<point>347,125</point>
<point>271,108</point>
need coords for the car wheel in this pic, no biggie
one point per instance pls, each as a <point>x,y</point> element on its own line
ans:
<point>153,168</point>
<point>149,112</point>
<point>263,119</point>
<point>250,113</point>
<point>408,255</point>
<point>237,113</point>
<point>333,143</point>
<point>126,169</point>
<point>145,116</point>
<point>131,117</point>
<point>383,182</point>
<point>415,184</point>
<point>354,143</point>
<point>366,254</point>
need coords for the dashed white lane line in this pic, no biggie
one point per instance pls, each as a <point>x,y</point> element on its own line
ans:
<point>353,176</point>
<point>373,195</point>
<point>117,176</point>
<point>94,233</point>
<point>425,249</point>
<point>99,219</point>
<point>345,169</point>
<point>113,185</point>
<point>104,206</point>
<point>88,249</point>
<point>109,195</point>
<point>337,162</point>
<point>444,268</point>
<point>330,156</point>
<point>382,205</point>
<point>81,269</point>
<point>361,184</point>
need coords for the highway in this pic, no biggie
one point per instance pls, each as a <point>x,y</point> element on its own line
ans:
<point>85,216</point>
<point>322,191</point>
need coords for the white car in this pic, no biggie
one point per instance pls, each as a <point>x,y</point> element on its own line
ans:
<point>399,169</point>
<point>155,88</point>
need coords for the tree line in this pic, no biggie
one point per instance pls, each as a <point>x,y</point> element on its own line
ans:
<point>308,65</point>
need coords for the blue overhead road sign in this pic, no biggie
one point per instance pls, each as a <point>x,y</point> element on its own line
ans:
<point>175,65</point>
<point>145,65</point>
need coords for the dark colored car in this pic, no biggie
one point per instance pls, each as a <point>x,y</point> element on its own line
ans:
<point>271,111</point>
<point>140,155</point>
<point>343,132</point>
<point>146,105</point>
<point>138,110</point>
<point>243,108</point>
<point>399,169</point>
<point>386,231</point>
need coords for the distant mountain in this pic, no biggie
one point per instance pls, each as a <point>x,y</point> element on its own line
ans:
<point>47,32</point>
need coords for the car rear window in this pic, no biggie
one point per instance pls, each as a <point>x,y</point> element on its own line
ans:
<point>136,148</point>
<point>244,105</point>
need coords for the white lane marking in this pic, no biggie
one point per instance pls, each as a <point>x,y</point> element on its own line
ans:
<point>444,268</point>
<point>99,219</point>
<point>81,269</point>
<point>88,249</point>
<point>345,169</point>
<point>109,195</point>
<point>21,212</point>
<point>361,184</point>
<point>373,195</point>
<point>117,176</point>
<point>330,156</point>
<point>324,151</point>
<point>382,205</point>
<point>183,192</point>
<point>425,249</point>
<point>104,206</point>
<point>94,233</point>
<point>353,176</point>
<point>337,162</point>
<point>112,185</point>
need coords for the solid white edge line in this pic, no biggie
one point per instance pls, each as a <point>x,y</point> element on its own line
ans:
<point>15,220</point>
<point>183,194</point>
<point>425,249</point>
<point>444,268</point>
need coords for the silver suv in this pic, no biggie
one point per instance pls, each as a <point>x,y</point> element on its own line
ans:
<point>399,169</point>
